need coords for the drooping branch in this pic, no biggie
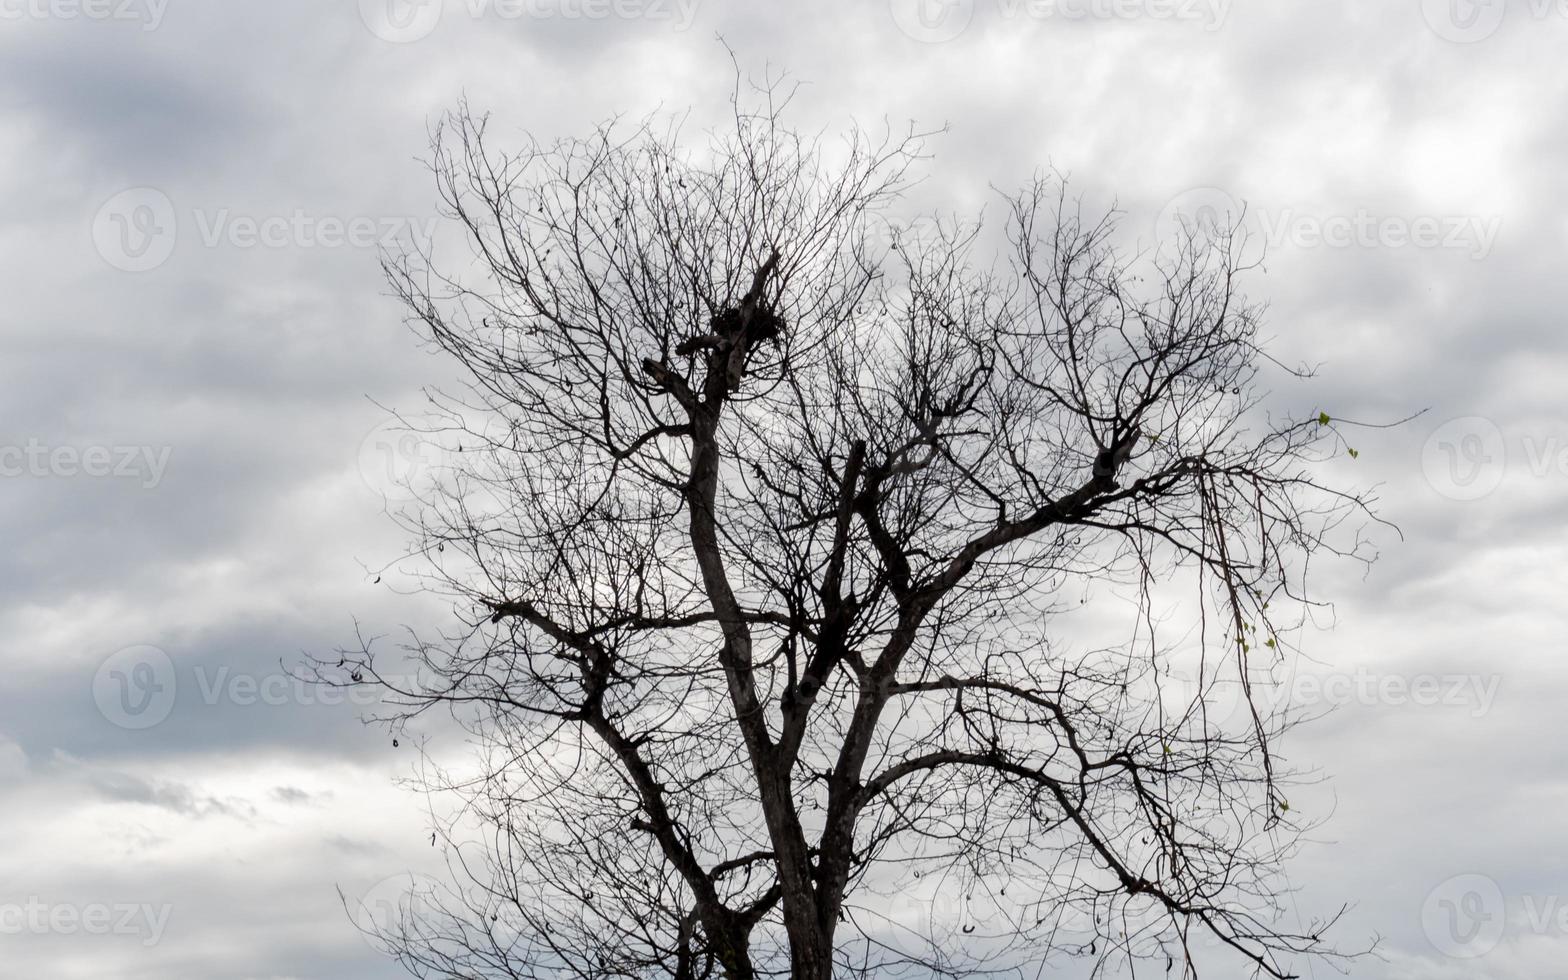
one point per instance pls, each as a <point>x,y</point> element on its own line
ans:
<point>767,554</point>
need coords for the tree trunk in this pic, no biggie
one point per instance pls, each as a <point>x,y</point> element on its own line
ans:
<point>810,955</point>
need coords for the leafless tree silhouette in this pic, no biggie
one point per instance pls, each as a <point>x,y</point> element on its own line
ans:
<point>772,549</point>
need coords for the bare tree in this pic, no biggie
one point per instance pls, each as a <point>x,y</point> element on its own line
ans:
<point>766,543</point>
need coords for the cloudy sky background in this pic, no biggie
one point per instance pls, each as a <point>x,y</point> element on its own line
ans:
<point>190,443</point>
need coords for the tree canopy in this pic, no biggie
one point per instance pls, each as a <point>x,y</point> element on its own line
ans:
<point>759,542</point>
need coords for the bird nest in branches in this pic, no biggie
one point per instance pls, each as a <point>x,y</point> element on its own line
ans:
<point>763,323</point>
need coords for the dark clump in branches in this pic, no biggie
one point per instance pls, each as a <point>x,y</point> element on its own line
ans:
<point>738,329</point>
<point>769,559</point>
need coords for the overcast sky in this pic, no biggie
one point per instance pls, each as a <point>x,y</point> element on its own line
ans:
<point>198,343</point>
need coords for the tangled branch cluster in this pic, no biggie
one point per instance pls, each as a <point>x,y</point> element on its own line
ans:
<point>766,556</point>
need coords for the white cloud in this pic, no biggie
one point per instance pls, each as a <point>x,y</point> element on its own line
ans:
<point>252,365</point>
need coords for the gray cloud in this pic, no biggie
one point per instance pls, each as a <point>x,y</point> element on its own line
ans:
<point>254,366</point>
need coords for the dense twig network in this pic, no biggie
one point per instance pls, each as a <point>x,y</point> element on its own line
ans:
<point>773,533</point>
